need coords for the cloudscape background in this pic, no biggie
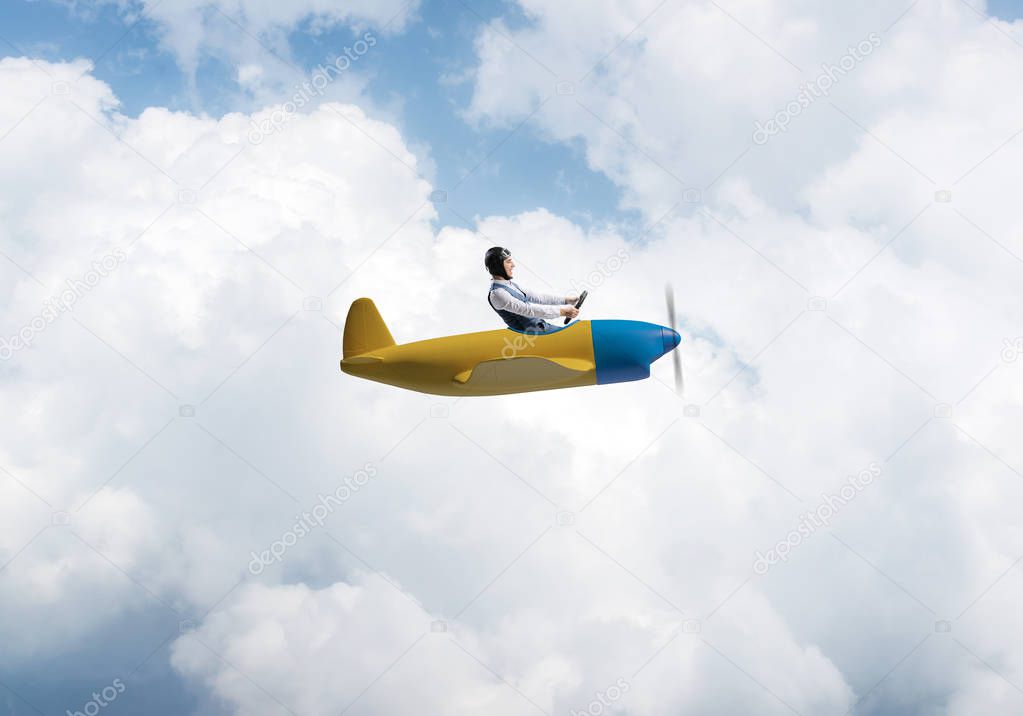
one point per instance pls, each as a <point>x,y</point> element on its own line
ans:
<point>848,291</point>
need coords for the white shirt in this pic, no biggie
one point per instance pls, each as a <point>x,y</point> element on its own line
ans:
<point>539,305</point>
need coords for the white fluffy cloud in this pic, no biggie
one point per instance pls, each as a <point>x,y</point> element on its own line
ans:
<point>653,582</point>
<point>848,204</point>
<point>172,323</point>
<point>666,96</point>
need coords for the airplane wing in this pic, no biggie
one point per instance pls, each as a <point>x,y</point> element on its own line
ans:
<point>524,372</point>
<point>362,360</point>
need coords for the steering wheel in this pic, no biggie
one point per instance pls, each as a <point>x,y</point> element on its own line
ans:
<point>578,304</point>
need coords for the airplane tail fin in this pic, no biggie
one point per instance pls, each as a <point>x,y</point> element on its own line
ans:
<point>365,330</point>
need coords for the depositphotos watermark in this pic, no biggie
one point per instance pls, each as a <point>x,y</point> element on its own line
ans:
<point>55,306</point>
<point>815,89</point>
<point>305,91</point>
<point>1012,349</point>
<point>603,700</point>
<point>604,269</point>
<point>100,700</point>
<point>514,346</point>
<point>521,342</point>
<point>310,519</point>
<point>816,518</point>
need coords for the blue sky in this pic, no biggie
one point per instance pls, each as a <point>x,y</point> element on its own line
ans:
<point>524,173</point>
<point>1005,9</point>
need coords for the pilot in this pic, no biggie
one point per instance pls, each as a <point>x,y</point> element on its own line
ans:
<point>523,310</point>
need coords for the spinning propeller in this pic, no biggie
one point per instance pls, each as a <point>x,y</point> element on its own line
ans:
<point>676,356</point>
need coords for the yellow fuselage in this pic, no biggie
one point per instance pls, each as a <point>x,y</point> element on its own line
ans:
<point>486,363</point>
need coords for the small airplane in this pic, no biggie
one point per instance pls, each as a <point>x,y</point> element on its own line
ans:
<point>505,361</point>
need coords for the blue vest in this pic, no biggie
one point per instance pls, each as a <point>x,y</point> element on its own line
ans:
<point>516,322</point>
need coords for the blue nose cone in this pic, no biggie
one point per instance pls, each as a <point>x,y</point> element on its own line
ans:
<point>624,350</point>
<point>670,339</point>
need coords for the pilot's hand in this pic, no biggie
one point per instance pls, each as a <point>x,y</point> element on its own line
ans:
<point>569,311</point>
<point>571,299</point>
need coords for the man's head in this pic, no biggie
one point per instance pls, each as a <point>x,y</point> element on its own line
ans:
<point>499,262</point>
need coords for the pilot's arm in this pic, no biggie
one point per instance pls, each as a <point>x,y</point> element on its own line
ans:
<point>546,298</point>
<point>503,301</point>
